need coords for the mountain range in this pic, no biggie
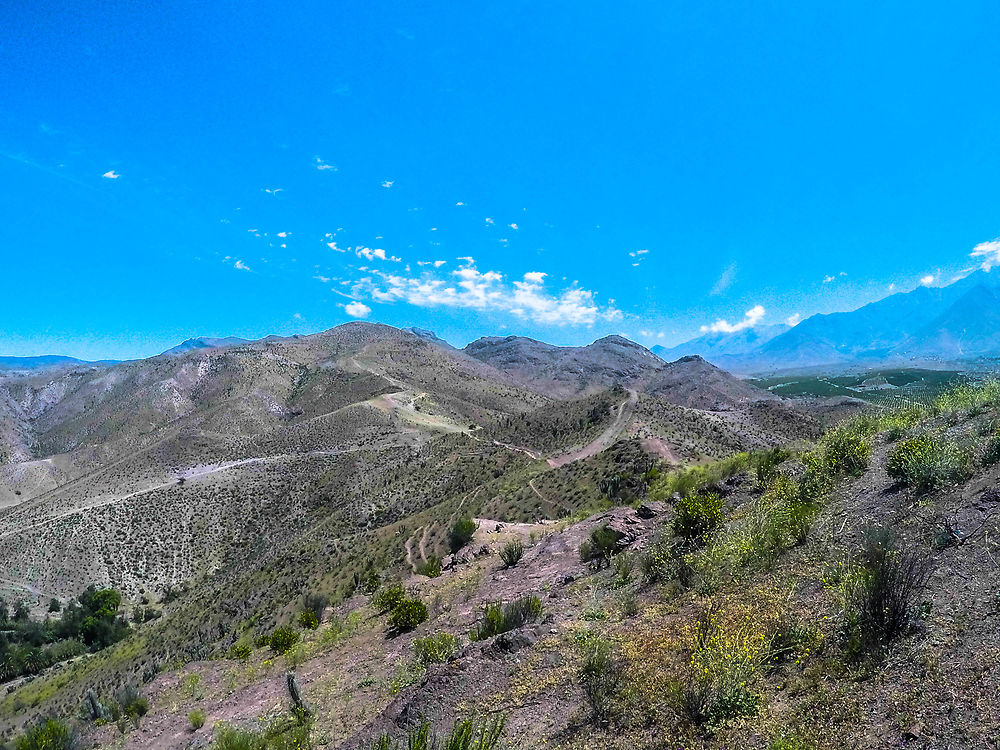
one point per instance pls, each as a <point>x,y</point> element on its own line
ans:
<point>929,326</point>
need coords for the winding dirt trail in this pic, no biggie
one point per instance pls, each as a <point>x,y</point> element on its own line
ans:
<point>606,439</point>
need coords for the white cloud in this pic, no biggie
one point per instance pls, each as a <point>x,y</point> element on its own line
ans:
<point>469,288</point>
<point>388,183</point>
<point>793,320</point>
<point>274,191</point>
<point>333,246</point>
<point>512,226</point>
<point>241,265</point>
<point>927,280</point>
<point>323,166</point>
<point>283,234</point>
<point>828,279</point>
<point>489,220</point>
<point>371,253</point>
<point>357,309</point>
<point>460,203</point>
<point>751,318</point>
<point>324,279</point>
<point>297,316</point>
<point>989,252</point>
<point>111,175</point>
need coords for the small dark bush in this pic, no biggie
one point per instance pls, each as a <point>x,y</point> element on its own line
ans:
<point>601,677</point>
<point>511,553</point>
<point>282,639</point>
<point>308,620</point>
<point>880,600</point>
<point>500,618</point>
<point>197,719</point>
<point>599,546</point>
<point>387,597</point>
<point>407,614</point>
<point>431,567</point>
<point>131,704</point>
<point>461,533</point>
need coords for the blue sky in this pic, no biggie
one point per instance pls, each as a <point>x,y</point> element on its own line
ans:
<point>581,168</point>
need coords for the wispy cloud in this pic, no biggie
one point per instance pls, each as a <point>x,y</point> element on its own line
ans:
<point>241,265</point>
<point>371,253</point>
<point>793,320</point>
<point>388,183</point>
<point>111,175</point>
<point>927,280</point>
<point>322,166</point>
<point>989,252</point>
<point>751,318</point>
<point>725,280</point>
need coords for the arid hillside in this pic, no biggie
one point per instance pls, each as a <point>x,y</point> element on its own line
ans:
<point>214,487</point>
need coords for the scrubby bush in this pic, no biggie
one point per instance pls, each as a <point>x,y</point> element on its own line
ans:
<point>925,462</point>
<point>307,619</point>
<point>501,618</point>
<point>624,568</point>
<point>387,597</point>
<point>407,614</point>
<point>697,515</point>
<point>197,719</point>
<point>282,639</point>
<point>880,593</point>
<point>601,678</point>
<point>599,546</point>
<point>48,734</point>
<point>846,449</point>
<point>461,533</point>
<point>431,567</point>
<point>435,649</point>
<point>766,463</point>
<point>511,553</point>
<point>467,734</point>
<point>724,659</point>
<point>315,603</point>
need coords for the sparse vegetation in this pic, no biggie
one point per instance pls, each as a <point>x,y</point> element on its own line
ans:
<point>927,462</point>
<point>435,649</point>
<point>511,553</point>
<point>601,678</point>
<point>197,719</point>
<point>501,618</point>
<point>460,534</point>
<point>599,546</point>
<point>48,734</point>
<point>467,734</point>
<point>431,567</point>
<point>880,593</point>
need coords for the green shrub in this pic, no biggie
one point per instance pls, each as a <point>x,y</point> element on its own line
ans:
<point>197,719</point>
<point>599,546</point>
<point>315,603</point>
<point>624,568</point>
<point>130,703</point>
<point>228,738</point>
<point>846,449</point>
<point>926,463</point>
<point>467,734</point>
<point>387,597</point>
<point>431,567</point>
<point>49,734</point>
<point>501,618</point>
<point>282,639</point>
<point>697,515</point>
<point>407,614</point>
<point>767,462</point>
<point>990,454</point>
<point>601,678</point>
<point>435,649</point>
<point>461,533</point>
<point>790,743</point>
<point>880,593</point>
<point>308,620</point>
<point>511,553</point>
